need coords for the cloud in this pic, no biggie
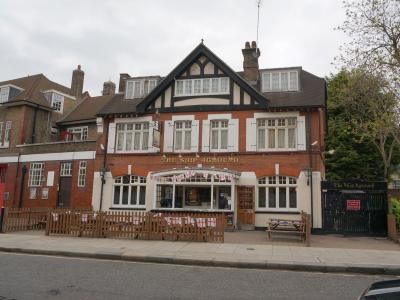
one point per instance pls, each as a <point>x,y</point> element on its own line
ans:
<point>152,37</point>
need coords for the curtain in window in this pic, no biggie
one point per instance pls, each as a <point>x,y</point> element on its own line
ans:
<point>261,138</point>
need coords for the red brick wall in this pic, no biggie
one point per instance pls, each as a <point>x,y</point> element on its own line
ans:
<point>291,163</point>
<point>81,197</point>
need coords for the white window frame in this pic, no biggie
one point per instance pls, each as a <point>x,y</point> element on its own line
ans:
<point>66,169</point>
<point>132,131</point>
<point>138,182</point>
<point>36,174</point>
<point>290,124</point>
<point>270,88</point>
<point>82,173</point>
<point>183,130</point>
<point>206,178</point>
<point>204,86</point>
<point>56,108</point>
<point>219,130</point>
<point>4,94</point>
<point>145,86</point>
<point>5,133</point>
<point>274,182</point>
<point>82,130</point>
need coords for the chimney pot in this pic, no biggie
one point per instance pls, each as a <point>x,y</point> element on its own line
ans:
<point>108,88</point>
<point>253,44</point>
<point>247,45</point>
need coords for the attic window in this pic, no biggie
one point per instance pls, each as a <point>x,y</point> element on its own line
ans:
<point>280,81</point>
<point>202,86</point>
<point>139,88</point>
<point>4,93</point>
<point>56,101</point>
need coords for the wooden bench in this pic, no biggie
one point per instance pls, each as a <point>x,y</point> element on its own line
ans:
<point>292,226</point>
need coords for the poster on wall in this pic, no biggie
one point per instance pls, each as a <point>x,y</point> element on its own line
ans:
<point>45,193</point>
<point>32,193</point>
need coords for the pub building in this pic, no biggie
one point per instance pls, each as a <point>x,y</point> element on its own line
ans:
<point>207,138</point>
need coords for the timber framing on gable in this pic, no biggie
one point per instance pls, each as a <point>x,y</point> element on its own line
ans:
<point>201,56</point>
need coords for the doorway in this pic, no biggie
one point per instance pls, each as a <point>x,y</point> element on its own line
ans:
<point>245,211</point>
<point>64,190</point>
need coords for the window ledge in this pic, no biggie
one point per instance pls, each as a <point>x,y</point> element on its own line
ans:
<point>289,212</point>
<point>127,208</point>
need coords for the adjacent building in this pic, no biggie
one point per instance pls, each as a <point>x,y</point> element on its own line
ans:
<point>48,135</point>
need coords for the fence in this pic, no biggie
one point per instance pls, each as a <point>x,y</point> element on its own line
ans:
<point>19,219</point>
<point>138,225</point>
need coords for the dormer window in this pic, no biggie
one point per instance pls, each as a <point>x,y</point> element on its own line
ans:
<point>4,92</point>
<point>202,86</point>
<point>8,91</point>
<point>280,81</point>
<point>56,101</point>
<point>139,88</point>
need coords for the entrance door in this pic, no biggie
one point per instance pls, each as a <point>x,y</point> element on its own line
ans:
<point>64,191</point>
<point>245,207</point>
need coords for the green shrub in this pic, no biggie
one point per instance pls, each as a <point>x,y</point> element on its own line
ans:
<point>395,203</point>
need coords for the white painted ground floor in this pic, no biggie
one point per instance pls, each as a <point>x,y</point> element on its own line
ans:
<point>250,200</point>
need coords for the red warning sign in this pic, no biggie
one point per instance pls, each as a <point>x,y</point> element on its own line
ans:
<point>353,204</point>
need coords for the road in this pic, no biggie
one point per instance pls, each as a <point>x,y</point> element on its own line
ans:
<point>49,277</point>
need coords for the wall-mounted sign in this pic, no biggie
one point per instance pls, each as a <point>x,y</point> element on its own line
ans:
<point>353,204</point>
<point>200,159</point>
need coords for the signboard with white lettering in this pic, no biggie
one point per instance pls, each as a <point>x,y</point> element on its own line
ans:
<point>353,204</point>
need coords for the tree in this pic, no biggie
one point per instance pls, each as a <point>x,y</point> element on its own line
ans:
<point>352,158</point>
<point>373,27</point>
<point>371,111</point>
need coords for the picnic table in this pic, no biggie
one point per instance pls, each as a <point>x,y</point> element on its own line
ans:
<point>287,226</point>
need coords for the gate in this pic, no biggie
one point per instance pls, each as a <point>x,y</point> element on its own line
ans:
<point>354,207</point>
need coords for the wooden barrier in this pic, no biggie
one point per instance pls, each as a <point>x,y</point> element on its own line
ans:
<point>19,219</point>
<point>138,225</point>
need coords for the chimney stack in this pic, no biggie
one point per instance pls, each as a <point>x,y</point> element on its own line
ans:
<point>122,81</point>
<point>77,82</point>
<point>250,62</point>
<point>108,88</point>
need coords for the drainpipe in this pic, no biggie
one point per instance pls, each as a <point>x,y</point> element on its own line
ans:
<point>14,202</point>
<point>34,126</point>
<point>310,170</point>
<point>103,169</point>
<point>21,187</point>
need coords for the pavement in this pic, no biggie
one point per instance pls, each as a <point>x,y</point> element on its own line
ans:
<point>253,256</point>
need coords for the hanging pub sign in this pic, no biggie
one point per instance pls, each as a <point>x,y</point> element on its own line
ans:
<point>156,135</point>
<point>352,204</point>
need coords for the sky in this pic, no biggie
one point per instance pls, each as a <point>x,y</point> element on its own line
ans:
<point>150,37</point>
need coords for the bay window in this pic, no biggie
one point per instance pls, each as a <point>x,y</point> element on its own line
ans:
<point>129,191</point>
<point>277,193</point>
